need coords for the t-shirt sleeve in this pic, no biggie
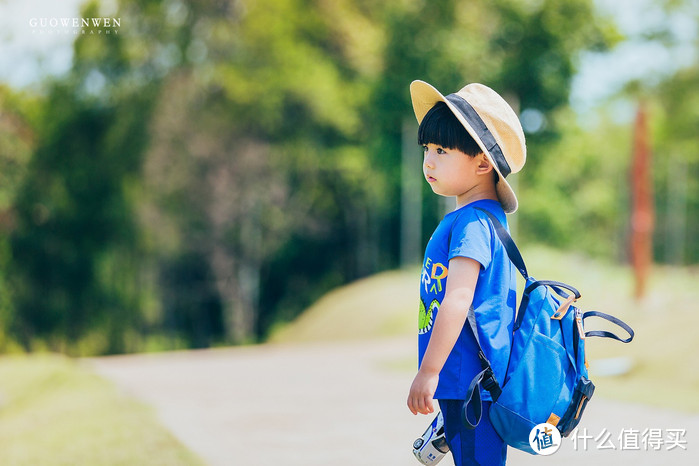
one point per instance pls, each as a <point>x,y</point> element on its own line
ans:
<point>471,237</point>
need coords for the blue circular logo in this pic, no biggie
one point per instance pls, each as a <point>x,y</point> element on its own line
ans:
<point>545,439</point>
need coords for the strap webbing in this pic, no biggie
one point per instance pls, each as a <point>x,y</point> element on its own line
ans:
<point>473,400</point>
<point>555,286</point>
<point>489,381</point>
<point>604,333</point>
<point>509,244</point>
<point>485,378</point>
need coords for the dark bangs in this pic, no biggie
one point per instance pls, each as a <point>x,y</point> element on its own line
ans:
<point>441,127</point>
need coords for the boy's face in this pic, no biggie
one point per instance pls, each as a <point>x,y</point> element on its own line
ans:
<point>451,172</point>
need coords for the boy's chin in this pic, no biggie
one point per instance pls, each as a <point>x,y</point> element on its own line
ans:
<point>436,190</point>
<point>441,193</point>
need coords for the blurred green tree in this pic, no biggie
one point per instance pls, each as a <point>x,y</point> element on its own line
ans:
<point>75,272</point>
<point>18,112</point>
<point>677,168</point>
<point>576,187</point>
<point>74,230</point>
<point>256,163</point>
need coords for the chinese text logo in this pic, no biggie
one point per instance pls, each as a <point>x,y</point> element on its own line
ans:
<point>545,439</point>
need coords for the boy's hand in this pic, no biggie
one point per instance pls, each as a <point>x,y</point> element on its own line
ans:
<point>421,393</point>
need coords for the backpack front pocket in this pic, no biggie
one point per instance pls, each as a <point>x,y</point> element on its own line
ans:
<point>541,369</point>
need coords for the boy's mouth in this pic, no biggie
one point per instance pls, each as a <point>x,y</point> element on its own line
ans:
<point>430,179</point>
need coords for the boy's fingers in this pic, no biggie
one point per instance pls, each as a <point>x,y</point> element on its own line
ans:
<point>411,405</point>
<point>421,405</point>
<point>427,407</point>
<point>427,404</point>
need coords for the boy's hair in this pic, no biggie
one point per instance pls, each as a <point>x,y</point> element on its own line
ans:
<point>441,127</point>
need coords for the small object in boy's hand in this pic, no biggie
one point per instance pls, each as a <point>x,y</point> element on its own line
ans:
<point>432,446</point>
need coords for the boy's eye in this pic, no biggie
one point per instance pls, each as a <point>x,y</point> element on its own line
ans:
<point>439,150</point>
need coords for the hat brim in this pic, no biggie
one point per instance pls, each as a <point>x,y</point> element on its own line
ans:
<point>424,96</point>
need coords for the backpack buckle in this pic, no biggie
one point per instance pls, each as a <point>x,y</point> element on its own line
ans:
<point>490,383</point>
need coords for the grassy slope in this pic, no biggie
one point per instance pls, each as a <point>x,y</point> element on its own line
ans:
<point>52,411</point>
<point>664,372</point>
<point>377,306</point>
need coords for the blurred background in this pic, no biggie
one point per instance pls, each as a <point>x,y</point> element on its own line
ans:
<point>192,174</point>
<point>204,170</point>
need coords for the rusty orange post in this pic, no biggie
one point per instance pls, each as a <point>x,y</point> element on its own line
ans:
<point>642,209</point>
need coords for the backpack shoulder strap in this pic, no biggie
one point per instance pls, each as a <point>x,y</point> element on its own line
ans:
<point>486,378</point>
<point>509,244</point>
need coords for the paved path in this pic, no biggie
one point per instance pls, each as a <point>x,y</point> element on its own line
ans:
<point>342,404</point>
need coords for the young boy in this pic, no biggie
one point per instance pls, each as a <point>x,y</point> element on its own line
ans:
<point>472,140</point>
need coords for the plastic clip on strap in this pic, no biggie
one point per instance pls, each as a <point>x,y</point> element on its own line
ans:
<point>488,380</point>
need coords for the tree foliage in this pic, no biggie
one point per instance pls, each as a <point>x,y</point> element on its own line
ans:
<point>207,173</point>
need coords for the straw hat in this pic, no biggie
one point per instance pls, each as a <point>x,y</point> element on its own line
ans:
<point>490,121</point>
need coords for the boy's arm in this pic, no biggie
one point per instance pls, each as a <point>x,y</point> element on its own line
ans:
<point>460,286</point>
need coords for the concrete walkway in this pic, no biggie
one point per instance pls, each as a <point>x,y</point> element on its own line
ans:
<point>344,404</point>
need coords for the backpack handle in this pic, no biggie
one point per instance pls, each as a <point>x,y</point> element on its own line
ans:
<point>604,333</point>
<point>555,286</point>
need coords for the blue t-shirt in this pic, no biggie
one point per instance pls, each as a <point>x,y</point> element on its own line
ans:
<point>467,232</point>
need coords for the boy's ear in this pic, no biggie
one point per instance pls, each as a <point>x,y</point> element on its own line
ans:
<point>484,165</point>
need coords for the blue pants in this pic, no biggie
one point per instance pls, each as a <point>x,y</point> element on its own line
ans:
<point>481,445</point>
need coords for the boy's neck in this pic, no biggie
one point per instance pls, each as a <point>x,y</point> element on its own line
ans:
<point>478,192</point>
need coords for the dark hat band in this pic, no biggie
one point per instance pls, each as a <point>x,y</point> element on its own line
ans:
<point>482,132</point>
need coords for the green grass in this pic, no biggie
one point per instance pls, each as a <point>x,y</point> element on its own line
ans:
<point>374,307</point>
<point>55,412</point>
<point>664,367</point>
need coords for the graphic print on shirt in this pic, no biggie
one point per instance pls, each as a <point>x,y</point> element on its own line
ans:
<point>433,281</point>
<point>433,273</point>
<point>427,316</point>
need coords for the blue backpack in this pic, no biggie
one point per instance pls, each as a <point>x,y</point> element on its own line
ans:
<point>546,378</point>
